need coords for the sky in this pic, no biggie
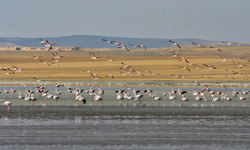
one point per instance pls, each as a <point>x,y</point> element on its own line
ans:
<point>220,20</point>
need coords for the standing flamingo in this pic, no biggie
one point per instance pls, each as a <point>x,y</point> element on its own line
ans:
<point>242,99</point>
<point>215,99</point>
<point>184,99</point>
<point>21,97</point>
<point>171,98</point>
<point>98,98</point>
<point>6,103</point>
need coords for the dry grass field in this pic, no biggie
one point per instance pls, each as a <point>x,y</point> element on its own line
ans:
<point>74,64</point>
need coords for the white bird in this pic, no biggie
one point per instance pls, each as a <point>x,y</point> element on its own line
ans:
<point>137,96</point>
<point>27,98</point>
<point>6,103</point>
<point>98,98</point>
<point>5,91</point>
<point>215,99</point>
<point>171,98</point>
<point>185,99</point>
<point>242,99</point>
<point>32,98</point>
<point>119,97</point>
<point>55,97</point>
<point>198,98</point>
<point>226,98</point>
<point>157,98</point>
<point>21,97</point>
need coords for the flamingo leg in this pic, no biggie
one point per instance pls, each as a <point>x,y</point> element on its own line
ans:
<point>8,107</point>
<point>33,103</point>
<point>120,101</point>
<point>98,103</point>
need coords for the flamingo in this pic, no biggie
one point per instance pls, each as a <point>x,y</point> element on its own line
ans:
<point>80,98</point>
<point>242,99</point>
<point>195,93</point>
<point>171,98</point>
<point>228,43</point>
<point>137,96</point>
<point>55,97</point>
<point>93,56</point>
<point>198,45</point>
<point>244,92</point>
<point>157,98</point>
<point>184,99</point>
<point>100,91</point>
<point>32,98</point>
<point>198,98</point>
<point>119,97</point>
<point>27,98</point>
<point>215,48</point>
<point>110,75</point>
<point>57,92</point>
<point>173,52</point>
<point>234,93</point>
<point>49,45</point>
<point>181,92</point>
<point>44,62</point>
<point>21,97</point>
<point>98,98</point>
<point>215,99</point>
<point>226,98</point>
<point>56,56</point>
<point>6,103</point>
<point>36,57</point>
<point>140,46</point>
<point>174,43</point>
<point>123,46</point>
<point>42,41</point>
<point>5,91</point>
<point>185,68</point>
<point>109,59</point>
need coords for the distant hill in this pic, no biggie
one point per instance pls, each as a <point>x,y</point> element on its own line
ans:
<point>88,41</point>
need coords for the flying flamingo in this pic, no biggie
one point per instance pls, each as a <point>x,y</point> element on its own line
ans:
<point>198,45</point>
<point>49,45</point>
<point>228,43</point>
<point>184,68</point>
<point>93,56</point>
<point>44,62</point>
<point>110,75</point>
<point>139,46</point>
<point>6,103</point>
<point>42,41</point>
<point>109,59</point>
<point>174,43</point>
<point>123,47</point>
<point>36,57</point>
<point>215,48</point>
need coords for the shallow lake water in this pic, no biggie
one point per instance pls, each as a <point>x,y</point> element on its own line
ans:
<point>149,125</point>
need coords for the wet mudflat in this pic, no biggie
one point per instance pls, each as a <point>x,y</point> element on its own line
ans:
<point>124,127</point>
